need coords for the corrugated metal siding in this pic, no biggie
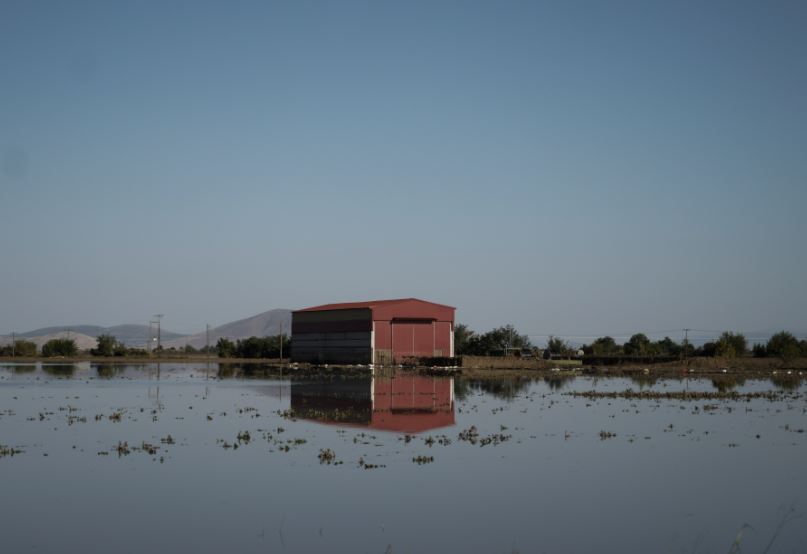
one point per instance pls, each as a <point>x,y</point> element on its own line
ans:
<point>332,337</point>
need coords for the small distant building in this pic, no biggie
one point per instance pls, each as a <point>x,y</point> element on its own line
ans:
<point>382,332</point>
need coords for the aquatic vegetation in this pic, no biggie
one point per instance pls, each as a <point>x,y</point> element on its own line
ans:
<point>365,465</point>
<point>326,456</point>
<point>9,451</point>
<point>630,394</point>
<point>470,435</point>
<point>420,460</point>
<point>494,439</point>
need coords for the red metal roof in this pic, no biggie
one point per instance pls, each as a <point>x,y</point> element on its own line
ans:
<point>368,304</point>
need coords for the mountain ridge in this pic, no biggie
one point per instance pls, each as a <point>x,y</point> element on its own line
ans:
<point>266,323</point>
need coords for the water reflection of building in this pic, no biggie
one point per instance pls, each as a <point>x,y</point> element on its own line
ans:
<point>404,404</point>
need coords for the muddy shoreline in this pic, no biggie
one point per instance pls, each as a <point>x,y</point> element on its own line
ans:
<point>728,370</point>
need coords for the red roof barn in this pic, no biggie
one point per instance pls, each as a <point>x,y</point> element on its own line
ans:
<point>380,332</point>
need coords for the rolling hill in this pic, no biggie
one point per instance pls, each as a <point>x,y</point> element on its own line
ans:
<point>130,334</point>
<point>263,324</point>
<point>83,341</point>
<point>260,325</point>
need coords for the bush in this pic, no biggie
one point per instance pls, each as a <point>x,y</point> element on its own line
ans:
<point>24,348</point>
<point>783,345</point>
<point>254,347</point>
<point>105,347</point>
<point>731,345</point>
<point>60,347</point>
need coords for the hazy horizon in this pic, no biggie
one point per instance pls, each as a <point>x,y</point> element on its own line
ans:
<point>578,169</point>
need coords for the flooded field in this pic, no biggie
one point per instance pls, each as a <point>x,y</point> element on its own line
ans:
<point>189,457</point>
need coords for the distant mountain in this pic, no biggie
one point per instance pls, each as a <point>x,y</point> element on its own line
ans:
<point>129,334</point>
<point>261,325</point>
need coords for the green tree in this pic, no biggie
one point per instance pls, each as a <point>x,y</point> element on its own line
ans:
<point>262,347</point>
<point>731,345</point>
<point>120,350</point>
<point>500,339</point>
<point>603,346</point>
<point>783,345</point>
<point>495,342</point>
<point>556,346</point>
<point>105,347</point>
<point>667,347</point>
<point>464,340</point>
<point>59,347</point>
<point>637,345</point>
<point>22,348</point>
<point>759,351</point>
<point>225,348</point>
<point>709,350</point>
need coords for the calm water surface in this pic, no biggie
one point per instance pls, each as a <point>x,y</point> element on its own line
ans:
<point>540,470</point>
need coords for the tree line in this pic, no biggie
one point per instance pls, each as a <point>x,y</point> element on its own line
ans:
<point>499,341</point>
<point>507,340</point>
<point>729,345</point>
<point>27,349</point>
<point>109,346</point>
<point>254,347</point>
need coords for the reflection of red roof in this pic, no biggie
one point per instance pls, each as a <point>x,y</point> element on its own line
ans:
<point>367,304</point>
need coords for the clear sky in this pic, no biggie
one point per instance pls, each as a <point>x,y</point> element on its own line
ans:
<point>569,167</point>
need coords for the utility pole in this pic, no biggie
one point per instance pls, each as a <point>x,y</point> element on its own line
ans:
<point>686,345</point>
<point>159,317</point>
<point>13,344</point>
<point>151,334</point>
<point>281,343</point>
<point>207,340</point>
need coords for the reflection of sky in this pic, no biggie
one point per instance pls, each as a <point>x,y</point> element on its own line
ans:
<point>650,488</point>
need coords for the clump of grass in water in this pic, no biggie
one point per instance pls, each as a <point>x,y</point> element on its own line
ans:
<point>327,456</point>
<point>8,451</point>
<point>420,460</point>
<point>471,434</point>
<point>365,465</point>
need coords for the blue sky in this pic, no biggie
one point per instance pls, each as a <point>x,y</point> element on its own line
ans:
<point>570,167</point>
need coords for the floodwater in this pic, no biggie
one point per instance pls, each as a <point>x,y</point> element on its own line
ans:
<point>184,457</point>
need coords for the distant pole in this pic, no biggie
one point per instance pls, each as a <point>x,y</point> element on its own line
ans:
<point>281,343</point>
<point>151,334</point>
<point>207,340</point>
<point>686,344</point>
<point>13,344</point>
<point>159,317</point>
